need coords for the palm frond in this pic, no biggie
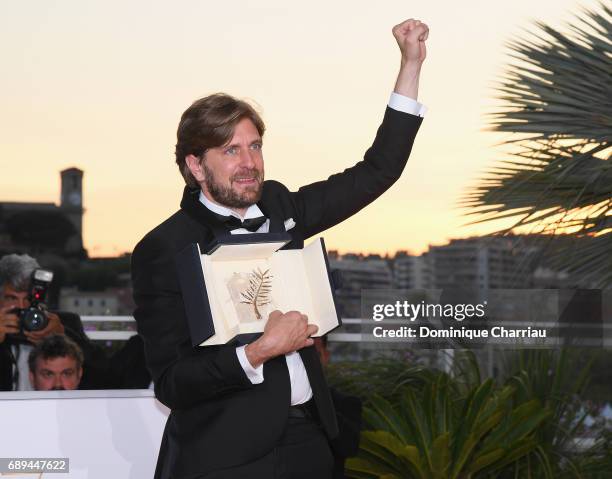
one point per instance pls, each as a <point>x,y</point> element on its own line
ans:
<point>558,100</point>
<point>259,290</point>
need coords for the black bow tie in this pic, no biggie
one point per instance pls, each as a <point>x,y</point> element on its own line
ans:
<point>233,223</point>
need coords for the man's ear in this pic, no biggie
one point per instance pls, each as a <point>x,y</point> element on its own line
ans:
<point>195,166</point>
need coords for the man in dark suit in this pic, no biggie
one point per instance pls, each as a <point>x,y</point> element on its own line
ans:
<point>263,409</point>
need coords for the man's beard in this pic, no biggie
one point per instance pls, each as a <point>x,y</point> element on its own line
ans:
<point>226,196</point>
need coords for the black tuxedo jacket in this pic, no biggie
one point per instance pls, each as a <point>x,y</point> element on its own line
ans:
<point>219,419</point>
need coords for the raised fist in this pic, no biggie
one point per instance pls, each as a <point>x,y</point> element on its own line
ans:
<point>410,36</point>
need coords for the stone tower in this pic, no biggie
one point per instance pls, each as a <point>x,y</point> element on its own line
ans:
<point>71,203</point>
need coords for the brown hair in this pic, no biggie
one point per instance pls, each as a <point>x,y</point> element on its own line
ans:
<point>55,346</point>
<point>208,123</point>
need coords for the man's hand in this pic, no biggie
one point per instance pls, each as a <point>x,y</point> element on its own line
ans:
<point>9,323</point>
<point>284,333</point>
<point>410,36</point>
<point>54,326</point>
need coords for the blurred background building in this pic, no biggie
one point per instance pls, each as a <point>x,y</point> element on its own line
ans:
<point>46,228</point>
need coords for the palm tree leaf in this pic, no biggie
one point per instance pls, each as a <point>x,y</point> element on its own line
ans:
<point>417,420</point>
<point>483,460</point>
<point>440,455</point>
<point>512,454</point>
<point>386,416</point>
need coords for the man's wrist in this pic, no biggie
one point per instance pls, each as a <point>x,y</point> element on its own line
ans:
<point>255,353</point>
<point>410,65</point>
<point>407,83</point>
<point>255,375</point>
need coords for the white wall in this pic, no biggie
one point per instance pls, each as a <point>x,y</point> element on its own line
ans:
<point>105,434</point>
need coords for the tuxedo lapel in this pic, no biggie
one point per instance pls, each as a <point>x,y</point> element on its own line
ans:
<point>276,221</point>
<point>279,211</point>
<point>192,205</point>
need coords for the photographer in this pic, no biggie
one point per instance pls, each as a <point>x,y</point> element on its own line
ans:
<point>124,370</point>
<point>15,342</point>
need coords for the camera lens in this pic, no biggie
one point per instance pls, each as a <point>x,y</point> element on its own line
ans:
<point>34,320</point>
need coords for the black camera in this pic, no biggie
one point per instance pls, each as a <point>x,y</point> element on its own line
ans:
<point>34,317</point>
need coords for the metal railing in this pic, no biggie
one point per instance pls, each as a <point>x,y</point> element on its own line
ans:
<point>341,337</point>
<point>108,335</point>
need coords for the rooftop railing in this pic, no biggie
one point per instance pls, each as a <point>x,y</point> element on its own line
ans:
<point>108,333</point>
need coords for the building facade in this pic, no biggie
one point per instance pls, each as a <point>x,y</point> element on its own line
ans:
<point>39,228</point>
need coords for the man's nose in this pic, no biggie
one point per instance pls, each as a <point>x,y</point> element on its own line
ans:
<point>247,158</point>
<point>58,383</point>
<point>23,303</point>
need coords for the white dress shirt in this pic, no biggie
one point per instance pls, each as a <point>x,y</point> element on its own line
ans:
<point>300,386</point>
<point>22,352</point>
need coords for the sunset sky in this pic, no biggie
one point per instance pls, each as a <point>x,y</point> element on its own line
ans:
<point>100,85</point>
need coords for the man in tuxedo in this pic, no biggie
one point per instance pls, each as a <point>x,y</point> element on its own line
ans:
<point>263,409</point>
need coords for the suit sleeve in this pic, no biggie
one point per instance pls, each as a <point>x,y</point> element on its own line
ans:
<point>324,204</point>
<point>183,375</point>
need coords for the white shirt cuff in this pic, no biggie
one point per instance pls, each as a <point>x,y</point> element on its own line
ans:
<point>255,375</point>
<point>407,105</point>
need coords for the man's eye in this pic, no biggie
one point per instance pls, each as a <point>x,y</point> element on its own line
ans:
<point>256,146</point>
<point>47,374</point>
<point>231,150</point>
